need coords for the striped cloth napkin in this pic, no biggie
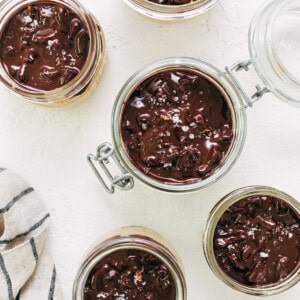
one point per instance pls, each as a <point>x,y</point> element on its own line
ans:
<point>26,267</point>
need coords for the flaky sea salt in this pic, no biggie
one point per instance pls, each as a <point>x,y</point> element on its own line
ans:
<point>27,19</point>
<point>264,254</point>
<point>175,119</point>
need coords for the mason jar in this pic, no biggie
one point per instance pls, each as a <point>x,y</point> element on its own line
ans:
<point>272,30</point>
<point>208,240</point>
<point>84,82</point>
<point>171,12</point>
<point>131,238</point>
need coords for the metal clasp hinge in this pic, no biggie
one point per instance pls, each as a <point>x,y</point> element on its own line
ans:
<point>244,66</point>
<point>105,152</point>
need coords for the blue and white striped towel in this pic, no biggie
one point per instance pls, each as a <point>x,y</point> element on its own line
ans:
<point>27,271</point>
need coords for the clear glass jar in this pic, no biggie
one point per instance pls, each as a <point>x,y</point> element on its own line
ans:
<point>274,45</point>
<point>171,12</point>
<point>84,82</point>
<point>138,238</point>
<point>214,217</point>
<point>226,81</point>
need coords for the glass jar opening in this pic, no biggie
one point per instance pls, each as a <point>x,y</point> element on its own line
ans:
<point>171,12</point>
<point>127,239</point>
<point>220,81</point>
<point>90,69</point>
<point>208,240</point>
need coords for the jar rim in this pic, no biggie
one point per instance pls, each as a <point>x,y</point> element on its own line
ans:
<point>136,241</point>
<point>171,12</point>
<point>221,81</point>
<point>8,8</point>
<point>214,217</point>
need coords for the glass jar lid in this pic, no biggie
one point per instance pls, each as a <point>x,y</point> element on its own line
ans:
<point>274,44</point>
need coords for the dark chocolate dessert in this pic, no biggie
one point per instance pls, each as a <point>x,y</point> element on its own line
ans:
<point>130,274</point>
<point>177,127</point>
<point>44,46</point>
<point>257,241</point>
<point>172,2</point>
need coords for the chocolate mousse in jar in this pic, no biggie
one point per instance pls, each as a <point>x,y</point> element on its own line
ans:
<point>130,263</point>
<point>252,240</point>
<point>51,52</point>
<point>179,124</point>
<point>171,9</point>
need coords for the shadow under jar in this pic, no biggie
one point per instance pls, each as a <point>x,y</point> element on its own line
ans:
<point>179,124</point>
<point>171,9</point>
<point>51,51</point>
<point>130,263</point>
<point>252,240</point>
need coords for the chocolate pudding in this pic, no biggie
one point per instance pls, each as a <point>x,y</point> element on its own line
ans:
<point>172,2</point>
<point>130,274</point>
<point>177,127</point>
<point>44,46</point>
<point>257,241</point>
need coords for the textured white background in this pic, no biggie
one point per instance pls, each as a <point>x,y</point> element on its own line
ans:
<point>48,146</point>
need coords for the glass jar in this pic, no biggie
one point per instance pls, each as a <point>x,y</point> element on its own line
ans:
<point>171,12</point>
<point>274,45</point>
<point>208,237</point>
<point>137,238</point>
<point>281,83</point>
<point>84,82</point>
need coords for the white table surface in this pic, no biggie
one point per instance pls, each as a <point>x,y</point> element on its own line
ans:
<point>48,146</point>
